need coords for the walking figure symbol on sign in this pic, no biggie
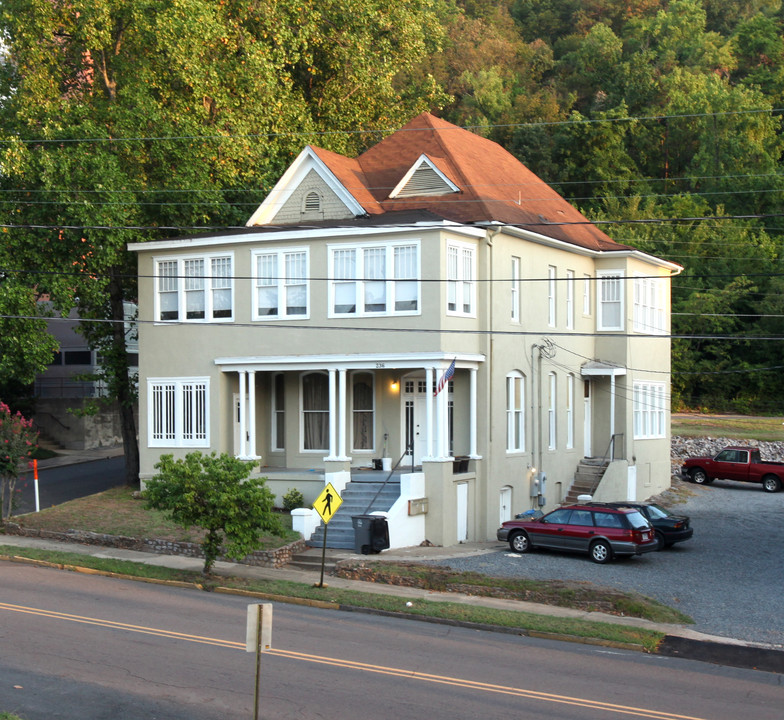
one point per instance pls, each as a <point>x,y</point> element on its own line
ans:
<point>327,503</point>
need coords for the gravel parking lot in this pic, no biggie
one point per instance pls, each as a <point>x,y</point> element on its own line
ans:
<point>729,577</point>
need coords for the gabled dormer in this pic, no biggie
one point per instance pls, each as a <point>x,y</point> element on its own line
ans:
<point>308,191</point>
<point>424,178</point>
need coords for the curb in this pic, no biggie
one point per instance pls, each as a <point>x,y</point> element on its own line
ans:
<point>747,657</point>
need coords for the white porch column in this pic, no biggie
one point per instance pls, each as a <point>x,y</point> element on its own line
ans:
<point>333,416</point>
<point>252,412</point>
<point>612,415</point>
<point>429,373</point>
<point>442,421</point>
<point>472,416</point>
<point>243,415</point>
<point>342,403</point>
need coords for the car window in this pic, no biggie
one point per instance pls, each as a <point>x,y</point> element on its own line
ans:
<point>655,512</point>
<point>726,456</point>
<point>558,517</point>
<point>637,520</point>
<point>607,519</point>
<point>581,517</point>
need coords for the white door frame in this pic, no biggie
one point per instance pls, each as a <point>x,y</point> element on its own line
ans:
<point>587,429</point>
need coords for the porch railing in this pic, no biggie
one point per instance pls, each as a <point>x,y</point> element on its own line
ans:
<point>386,480</point>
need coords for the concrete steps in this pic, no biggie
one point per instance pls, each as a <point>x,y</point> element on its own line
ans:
<point>357,498</point>
<point>586,479</point>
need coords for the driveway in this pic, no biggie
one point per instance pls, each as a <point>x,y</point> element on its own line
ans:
<point>728,577</point>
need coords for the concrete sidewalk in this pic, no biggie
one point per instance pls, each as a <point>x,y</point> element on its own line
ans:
<point>681,640</point>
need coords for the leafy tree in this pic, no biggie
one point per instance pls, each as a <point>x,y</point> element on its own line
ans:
<point>26,347</point>
<point>137,119</point>
<point>214,492</point>
<point>18,442</point>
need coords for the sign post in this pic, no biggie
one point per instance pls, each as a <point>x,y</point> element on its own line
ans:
<point>258,639</point>
<point>326,505</point>
<point>35,482</point>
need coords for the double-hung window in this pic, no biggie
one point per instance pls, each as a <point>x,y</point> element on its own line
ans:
<point>515,412</point>
<point>281,279</point>
<point>178,412</point>
<point>552,418</point>
<point>570,299</point>
<point>649,410</point>
<point>551,295</point>
<point>610,300</point>
<point>461,274</point>
<point>378,279</point>
<point>515,290</point>
<point>194,289</point>
<point>649,313</point>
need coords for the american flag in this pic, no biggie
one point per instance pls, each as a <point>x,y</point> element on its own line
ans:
<point>445,378</point>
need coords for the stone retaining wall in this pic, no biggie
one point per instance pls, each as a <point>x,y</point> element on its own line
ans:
<point>260,558</point>
<point>683,447</point>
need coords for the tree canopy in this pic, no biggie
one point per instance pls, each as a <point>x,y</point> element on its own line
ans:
<point>123,121</point>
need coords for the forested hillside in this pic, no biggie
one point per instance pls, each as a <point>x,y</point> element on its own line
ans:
<point>137,119</point>
<point>662,119</point>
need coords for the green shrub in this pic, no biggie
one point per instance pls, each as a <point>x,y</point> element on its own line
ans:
<point>293,499</point>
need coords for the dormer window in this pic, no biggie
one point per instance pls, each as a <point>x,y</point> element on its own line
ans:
<point>424,178</point>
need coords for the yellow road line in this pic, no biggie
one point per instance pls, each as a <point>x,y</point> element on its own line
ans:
<point>359,666</point>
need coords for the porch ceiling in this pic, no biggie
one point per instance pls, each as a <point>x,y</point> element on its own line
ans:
<point>370,361</point>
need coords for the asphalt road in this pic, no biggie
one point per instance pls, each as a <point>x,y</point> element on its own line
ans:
<point>728,577</point>
<point>83,647</point>
<point>59,484</point>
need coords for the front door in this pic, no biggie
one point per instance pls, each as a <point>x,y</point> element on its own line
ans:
<point>587,452</point>
<point>414,430</point>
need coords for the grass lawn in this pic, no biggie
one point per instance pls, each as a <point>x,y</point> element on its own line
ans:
<point>118,512</point>
<point>739,427</point>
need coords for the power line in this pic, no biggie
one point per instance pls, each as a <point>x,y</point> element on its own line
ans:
<point>418,331</point>
<point>382,131</point>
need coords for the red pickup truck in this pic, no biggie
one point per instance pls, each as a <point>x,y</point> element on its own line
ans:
<point>735,463</point>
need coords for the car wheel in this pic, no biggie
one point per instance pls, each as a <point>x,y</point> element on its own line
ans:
<point>660,544</point>
<point>519,542</point>
<point>698,476</point>
<point>601,552</point>
<point>771,483</point>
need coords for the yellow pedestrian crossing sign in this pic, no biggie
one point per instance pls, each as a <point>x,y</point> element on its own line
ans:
<point>327,503</point>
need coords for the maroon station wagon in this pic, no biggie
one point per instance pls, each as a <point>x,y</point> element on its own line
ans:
<point>602,531</point>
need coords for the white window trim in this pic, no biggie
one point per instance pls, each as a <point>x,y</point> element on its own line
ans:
<point>570,299</point>
<point>587,294</point>
<point>372,411</point>
<point>179,387</point>
<point>302,448</point>
<point>552,413</point>
<point>461,284</point>
<point>551,297</point>
<point>181,293</point>
<point>280,253</point>
<point>515,289</point>
<point>275,442</point>
<point>603,276</point>
<point>570,411</point>
<point>515,416</point>
<point>390,279</point>
<point>649,410</point>
<point>649,314</point>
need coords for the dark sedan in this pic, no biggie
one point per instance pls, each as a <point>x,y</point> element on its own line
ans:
<point>669,527</point>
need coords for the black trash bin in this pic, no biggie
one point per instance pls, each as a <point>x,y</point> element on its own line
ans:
<point>371,533</point>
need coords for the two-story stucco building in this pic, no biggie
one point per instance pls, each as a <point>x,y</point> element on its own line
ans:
<point>315,340</point>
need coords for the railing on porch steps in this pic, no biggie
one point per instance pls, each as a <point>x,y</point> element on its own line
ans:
<point>359,498</point>
<point>586,479</point>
